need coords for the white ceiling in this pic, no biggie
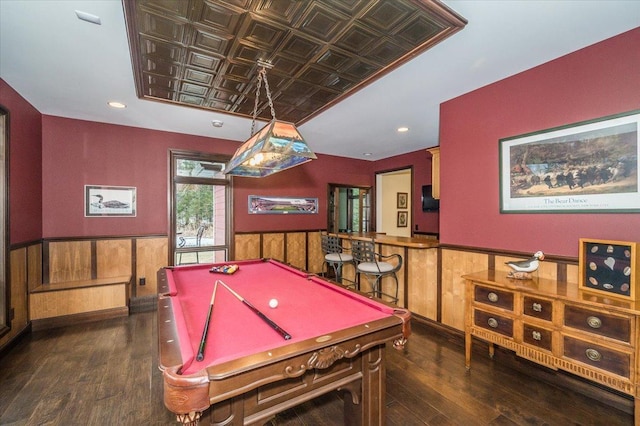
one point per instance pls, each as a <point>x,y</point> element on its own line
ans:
<point>70,68</point>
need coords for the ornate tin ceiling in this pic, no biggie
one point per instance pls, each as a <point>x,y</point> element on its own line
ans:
<point>204,53</point>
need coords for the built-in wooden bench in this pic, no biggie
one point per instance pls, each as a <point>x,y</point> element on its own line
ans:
<point>63,303</point>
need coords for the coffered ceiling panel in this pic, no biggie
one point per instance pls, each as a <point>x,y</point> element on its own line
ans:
<point>204,53</point>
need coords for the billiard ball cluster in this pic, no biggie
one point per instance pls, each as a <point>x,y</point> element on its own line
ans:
<point>225,269</point>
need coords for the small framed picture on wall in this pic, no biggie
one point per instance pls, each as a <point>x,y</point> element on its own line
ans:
<point>402,200</point>
<point>103,201</point>
<point>402,219</point>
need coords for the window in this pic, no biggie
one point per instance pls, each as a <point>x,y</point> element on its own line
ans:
<point>200,200</point>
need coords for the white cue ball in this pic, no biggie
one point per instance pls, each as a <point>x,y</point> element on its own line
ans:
<point>273,303</point>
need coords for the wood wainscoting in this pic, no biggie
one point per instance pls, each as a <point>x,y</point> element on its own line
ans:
<point>458,261</point>
<point>41,270</point>
<point>301,249</point>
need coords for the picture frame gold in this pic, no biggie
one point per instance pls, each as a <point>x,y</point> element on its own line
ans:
<point>610,267</point>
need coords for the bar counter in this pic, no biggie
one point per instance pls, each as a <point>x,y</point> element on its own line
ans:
<point>381,238</point>
<point>418,277</point>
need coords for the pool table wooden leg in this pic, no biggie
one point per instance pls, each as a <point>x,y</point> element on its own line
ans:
<point>371,408</point>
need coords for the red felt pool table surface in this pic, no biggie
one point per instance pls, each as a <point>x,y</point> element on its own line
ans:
<point>308,306</point>
<point>249,371</point>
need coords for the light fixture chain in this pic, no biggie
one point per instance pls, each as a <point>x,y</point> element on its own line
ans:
<point>255,105</point>
<point>266,87</point>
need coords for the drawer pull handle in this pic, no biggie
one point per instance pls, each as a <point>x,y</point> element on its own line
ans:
<point>492,297</point>
<point>493,323</point>
<point>594,322</point>
<point>536,335</point>
<point>537,307</point>
<point>593,355</point>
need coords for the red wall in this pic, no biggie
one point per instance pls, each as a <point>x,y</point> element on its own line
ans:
<point>420,161</point>
<point>25,167</point>
<point>597,81</point>
<point>309,180</point>
<point>78,153</point>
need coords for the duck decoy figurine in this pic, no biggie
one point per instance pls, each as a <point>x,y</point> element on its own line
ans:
<point>523,268</point>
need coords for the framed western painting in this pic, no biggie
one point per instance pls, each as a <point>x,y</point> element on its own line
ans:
<point>590,166</point>
<point>101,201</point>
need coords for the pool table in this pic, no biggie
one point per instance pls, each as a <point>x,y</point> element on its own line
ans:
<point>249,371</point>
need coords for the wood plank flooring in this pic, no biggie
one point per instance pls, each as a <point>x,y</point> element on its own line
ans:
<point>105,373</point>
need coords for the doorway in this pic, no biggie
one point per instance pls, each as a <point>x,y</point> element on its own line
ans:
<point>394,202</point>
<point>349,208</point>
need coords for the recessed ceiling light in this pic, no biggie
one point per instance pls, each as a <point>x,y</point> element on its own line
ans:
<point>114,104</point>
<point>403,129</point>
<point>366,154</point>
<point>216,123</point>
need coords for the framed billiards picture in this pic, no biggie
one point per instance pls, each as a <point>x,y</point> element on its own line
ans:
<point>610,267</point>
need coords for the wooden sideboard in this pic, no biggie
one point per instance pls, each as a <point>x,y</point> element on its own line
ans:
<point>555,324</point>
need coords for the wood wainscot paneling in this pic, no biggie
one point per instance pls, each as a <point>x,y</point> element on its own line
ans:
<point>456,263</point>
<point>422,282</point>
<point>297,249</point>
<point>113,257</point>
<point>273,246</point>
<point>94,278</point>
<point>151,255</point>
<point>20,266</point>
<point>315,255</point>
<point>462,261</point>
<point>247,246</point>
<point>77,301</point>
<point>25,266</point>
<point>34,265</point>
<point>69,261</point>
<point>301,249</point>
<point>18,279</point>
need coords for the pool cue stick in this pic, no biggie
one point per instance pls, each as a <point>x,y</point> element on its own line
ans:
<point>256,311</point>
<point>203,341</point>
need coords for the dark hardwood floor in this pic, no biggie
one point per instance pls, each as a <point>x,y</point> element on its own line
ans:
<point>106,374</point>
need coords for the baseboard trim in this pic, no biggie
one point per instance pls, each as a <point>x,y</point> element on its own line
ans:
<point>65,320</point>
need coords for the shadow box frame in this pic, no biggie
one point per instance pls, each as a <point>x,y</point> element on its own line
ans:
<point>606,266</point>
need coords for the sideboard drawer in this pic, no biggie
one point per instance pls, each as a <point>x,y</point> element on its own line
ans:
<point>615,327</point>
<point>598,356</point>
<point>537,336</point>
<point>493,322</point>
<point>538,308</point>
<point>493,297</point>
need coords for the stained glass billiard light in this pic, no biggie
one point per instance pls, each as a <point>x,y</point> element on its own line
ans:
<point>276,147</point>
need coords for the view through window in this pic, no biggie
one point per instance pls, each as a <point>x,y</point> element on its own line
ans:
<point>199,205</point>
